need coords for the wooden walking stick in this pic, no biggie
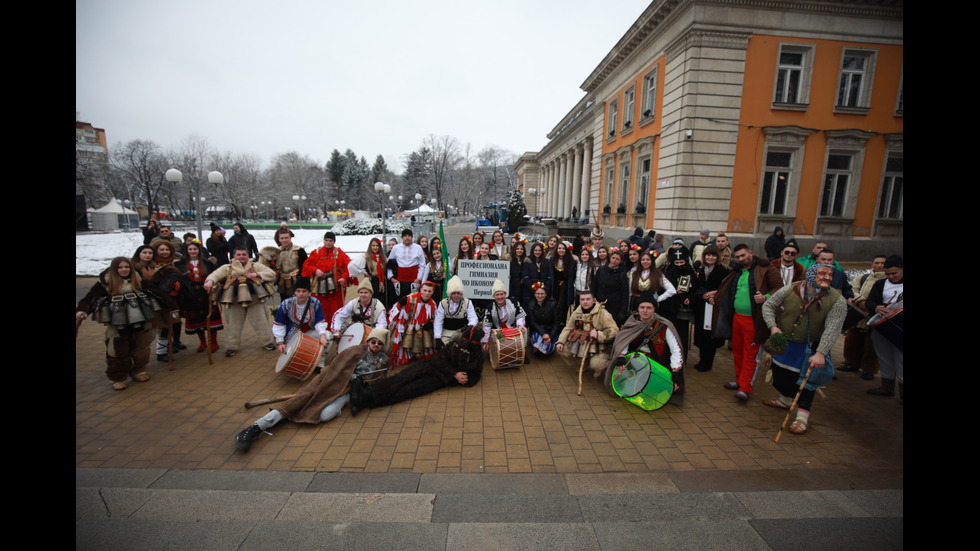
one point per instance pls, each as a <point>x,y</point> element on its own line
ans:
<point>207,330</point>
<point>273,400</point>
<point>793,406</point>
<point>588,345</point>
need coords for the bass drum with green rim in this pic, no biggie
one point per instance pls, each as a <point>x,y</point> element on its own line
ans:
<point>643,381</point>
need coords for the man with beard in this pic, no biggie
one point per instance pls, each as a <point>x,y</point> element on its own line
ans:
<point>811,314</point>
<point>738,314</point>
<point>322,398</point>
<point>726,257</point>
<point>459,363</point>
<point>243,274</point>
<point>589,323</point>
<point>653,336</point>
<point>789,269</point>
<point>678,308</point>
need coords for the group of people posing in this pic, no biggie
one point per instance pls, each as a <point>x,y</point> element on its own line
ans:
<point>578,297</point>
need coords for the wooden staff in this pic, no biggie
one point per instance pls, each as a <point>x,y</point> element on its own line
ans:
<point>268,401</point>
<point>207,331</point>
<point>588,345</point>
<point>170,338</point>
<point>793,406</point>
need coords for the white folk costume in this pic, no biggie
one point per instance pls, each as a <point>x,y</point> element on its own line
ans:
<point>241,300</point>
<point>411,323</point>
<point>406,263</point>
<point>373,315</point>
<point>452,317</point>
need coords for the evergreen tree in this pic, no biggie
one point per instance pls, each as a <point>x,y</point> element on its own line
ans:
<point>515,209</point>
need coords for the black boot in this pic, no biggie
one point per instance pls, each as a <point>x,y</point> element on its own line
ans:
<point>245,438</point>
<point>356,389</point>
<point>901,391</point>
<point>887,388</point>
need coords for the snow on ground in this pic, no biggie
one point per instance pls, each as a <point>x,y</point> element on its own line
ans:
<point>94,251</point>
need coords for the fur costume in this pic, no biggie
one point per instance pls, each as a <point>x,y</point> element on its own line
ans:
<point>464,354</point>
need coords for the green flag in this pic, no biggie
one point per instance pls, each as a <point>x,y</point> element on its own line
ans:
<point>445,250</point>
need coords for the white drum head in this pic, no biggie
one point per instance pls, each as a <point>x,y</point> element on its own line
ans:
<point>354,335</point>
<point>291,346</point>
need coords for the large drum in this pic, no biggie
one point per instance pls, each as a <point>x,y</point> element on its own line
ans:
<point>506,348</point>
<point>643,382</point>
<point>355,334</point>
<point>891,326</point>
<point>302,354</point>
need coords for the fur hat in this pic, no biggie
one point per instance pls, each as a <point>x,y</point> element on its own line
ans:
<point>270,253</point>
<point>499,287</point>
<point>647,296</point>
<point>303,283</point>
<point>380,334</point>
<point>455,285</point>
<point>365,284</point>
<point>157,241</point>
<point>597,232</point>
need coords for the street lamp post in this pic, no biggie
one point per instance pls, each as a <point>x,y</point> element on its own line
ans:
<point>174,176</point>
<point>383,189</point>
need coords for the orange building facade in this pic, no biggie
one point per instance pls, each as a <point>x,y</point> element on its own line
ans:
<point>738,116</point>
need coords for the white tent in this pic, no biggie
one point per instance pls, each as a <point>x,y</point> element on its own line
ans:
<point>423,209</point>
<point>114,216</point>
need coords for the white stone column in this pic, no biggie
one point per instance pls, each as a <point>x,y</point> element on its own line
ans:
<point>562,188</point>
<point>576,181</point>
<point>586,180</point>
<point>569,170</point>
<point>552,189</point>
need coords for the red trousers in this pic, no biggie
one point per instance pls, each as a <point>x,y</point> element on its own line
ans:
<point>745,351</point>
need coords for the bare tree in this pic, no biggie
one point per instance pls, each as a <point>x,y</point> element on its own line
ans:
<point>446,158</point>
<point>139,166</point>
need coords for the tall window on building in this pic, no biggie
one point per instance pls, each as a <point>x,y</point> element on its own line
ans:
<point>890,204</point>
<point>649,95</point>
<point>613,117</point>
<point>629,105</point>
<point>610,182</point>
<point>856,78</point>
<point>643,193</point>
<point>624,185</point>
<point>835,184</point>
<point>776,182</point>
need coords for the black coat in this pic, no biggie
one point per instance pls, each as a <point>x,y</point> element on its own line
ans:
<point>612,285</point>
<point>702,285</point>
<point>531,273</point>
<point>544,318</point>
<point>424,376</point>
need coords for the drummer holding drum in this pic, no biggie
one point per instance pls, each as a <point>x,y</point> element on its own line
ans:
<point>299,313</point>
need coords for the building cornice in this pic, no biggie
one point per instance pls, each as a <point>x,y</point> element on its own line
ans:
<point>658,12</point>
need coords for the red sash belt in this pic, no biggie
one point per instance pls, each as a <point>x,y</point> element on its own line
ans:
<point>411,273</point>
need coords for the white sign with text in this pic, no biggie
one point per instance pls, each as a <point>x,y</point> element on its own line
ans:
<point>478,277</point>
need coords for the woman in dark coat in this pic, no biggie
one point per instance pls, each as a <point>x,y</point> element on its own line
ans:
<point>518,254</point>
<point>536,269</point>
<point>611,285</point>
<point>562,277</point>
<point>544,320</point>
<point>709,274</point>
<point>218,246</point>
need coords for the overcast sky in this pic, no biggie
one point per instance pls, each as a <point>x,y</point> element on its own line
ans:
<point>372,75</point>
